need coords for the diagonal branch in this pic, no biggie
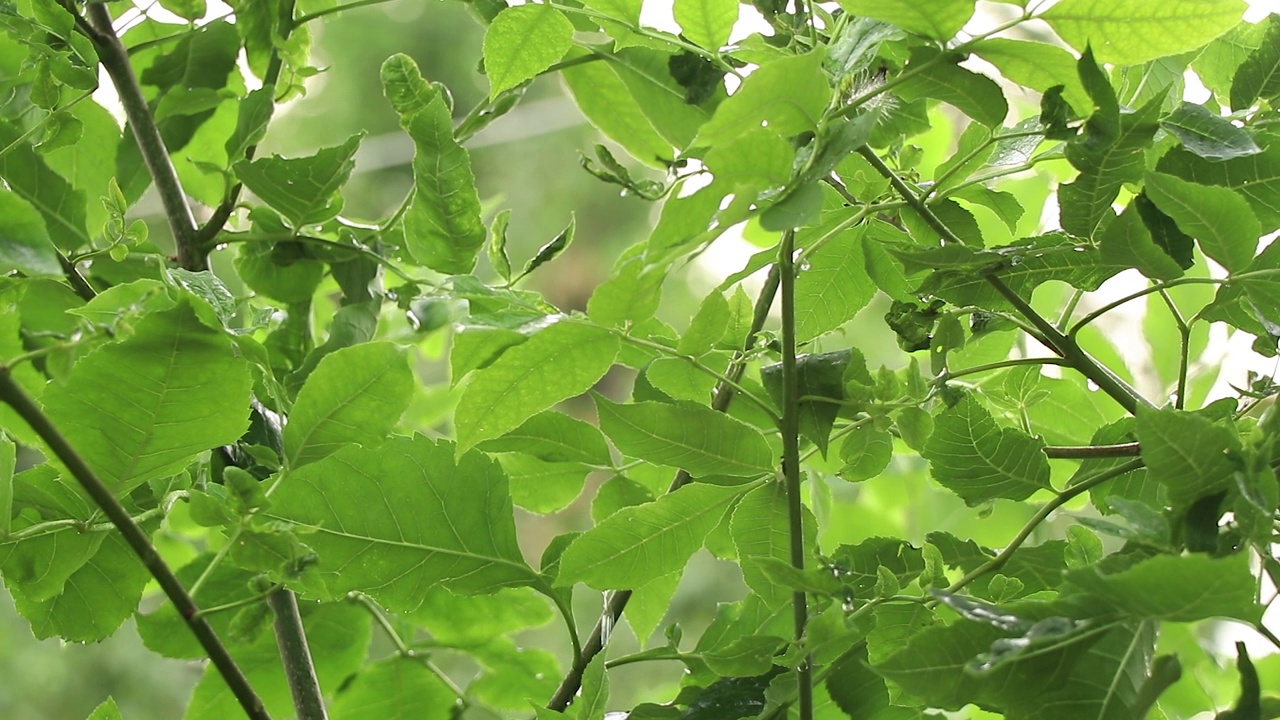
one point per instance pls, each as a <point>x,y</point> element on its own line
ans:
<point>14,396</point>
<point>1050,335</point>
<point>115,59</point>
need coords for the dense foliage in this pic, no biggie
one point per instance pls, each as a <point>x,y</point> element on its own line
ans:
<point>242,412</point>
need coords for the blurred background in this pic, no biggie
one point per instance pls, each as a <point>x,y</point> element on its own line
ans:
<point>528,161</point>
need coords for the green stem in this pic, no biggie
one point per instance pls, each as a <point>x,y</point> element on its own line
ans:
<point>950,172</point>
<point>644,657</point>
<point>617,601</point>
<point>1045,511</point>
<point>1084,452</point>
<point>700,367</point>
<point>299,671</point>
<point>304,19</point>
<point>791,459</point>
<point>1154,288</point>
<point>1184,349</point>
<point>1015,362</point>
<point>1069,310</point>
<point>402,648</point>
<point>79,285</point>
<point>13,395</point>
<point>115,59</point>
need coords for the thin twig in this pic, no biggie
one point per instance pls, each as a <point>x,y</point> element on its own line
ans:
<point>617,601</point>
<point>15,397</point>
<point>291,639</point>
<point>1084,452</point>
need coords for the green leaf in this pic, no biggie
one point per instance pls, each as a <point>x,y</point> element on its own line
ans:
<point>647,75</point>
<point>1218,217</point>
<point>1128,32</point>
<point>302,189</point>
<point>1190,455</point>
<point>607,103</point>
<point>548,252</point>
<point>1036,65</point>
<point>106,711</point>
<point>402,83</point>
<point>760,528</point>
<point>594,696</point>
<point>1127,241</point>
<point>832,285</point>
<point>1256,177</point>
<point>627,11</point>
<point>28,177</point>
<point>442,227</point>
<point>187,392</point>
<point>395,688</point>
<point>355,395</point>
<point>939,20</point>
<point>789,94</point>
<point>820,376</point>
<point>1176,588</point>
<point>465,621</point>
<point>707,23</point>
<point>1259,75</point>
<point>253,116</point>
<point>639,544</point>
<point>24,242</point>
<point>632,292</point>
<point>96,599</point>
<point>1208,134</point>
<point>1108,155</point>
<point>694,438</point>
<point>562,361</point>
<point>553,437</point>
<point>979,461</point>
<point>523,41</point>
<point>540,486</point>
<point>707,326</point>
<point>977,96</point>
<point>866,452</point>
<point>393,521</point>
<point>497,248</point>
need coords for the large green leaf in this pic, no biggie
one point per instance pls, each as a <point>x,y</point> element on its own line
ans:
<point>1218,217</point>
<point>939,20</point>
<point>396,688</point>
<point>977,96</point>
<point>760,528</point>
<point>355,395</point>
<point>1256,177</point>
<point>1208,134</point>
<point>1128,32</point>
<point>1259,75</point>
<point>1189,454</point>
<point>561,361</point>
<point>554,437</point>
<point>1127,241</point>
<point>304,190</point>
<point>647,75</point>
<point>523,41</point>
<point>832,285</point>
<point>186,392</point>
<point>706,22</point>
<point>603,98</point>
<point>397,520</point>
<point>979,461</point>
<point>1177,588</point>
<point>30,178</point>
<point>645,542</point>
<point>442,227</point>
<point>789,94</point>
<point>95,600</point>
<point>37,567</point>
<point>1036,65</point>
<point>694,438</point>
<point>24,242</point>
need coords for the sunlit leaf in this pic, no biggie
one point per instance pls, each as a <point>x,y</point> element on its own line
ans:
<point>1127,32</point>
<point>523,41</point>
<point>696,439</point>
<point>979,461</point>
